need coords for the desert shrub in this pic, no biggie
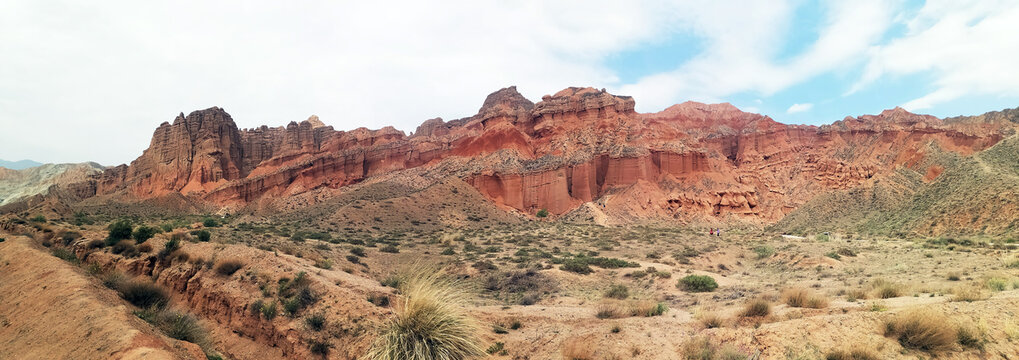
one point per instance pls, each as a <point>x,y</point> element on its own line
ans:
<point>576,265</point>
<point>124,247</point>
<point>95,244</point>
<point>324,264</point>
<point>144,248</point>
<point>319,347</point>
<point>697,283</point>
<point>617,291</point>
<point>202,235</point>
<point>448,251</point>
<point>69,236</point>
<point>269,310</point>
<point>969,336</point>
<point>648,308</point>
<point>800,297</point>
<point>119,230</point>
<point>954,276</point>
<point>968,294</point>
<point>381,300</point>
<point>316,321</point>
<point>166,227</point>
<point>922,329</point>
<point>390,249</point>
<point>856,353</point>
<point>169,247</point>
<point>610,310</point>
<point>210,222</point>
<point>609,263</point>
<point>38,219</point>
<point>143,234</point>
<point>764,251</point>
<point>846,252</point>
<point>484,265</point>
<point>357,251</point>
<point>997,284</point>
<point>542,213</point>
<point>65,255</point>
<point>756,308</point>
<point>885,289</point>
<point>430,323</point>
<point>229,267</point>
<point>710,320</point>
<point>529,299</point>
<point>834,255</point>
<point>181,326</point>
<point>497,347</point>
<point>143,294</point>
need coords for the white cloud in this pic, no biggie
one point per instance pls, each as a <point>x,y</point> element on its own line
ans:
<point>798,108</point>
<point>109,72</point>
<point>967,47</point>
<point>743,39</point>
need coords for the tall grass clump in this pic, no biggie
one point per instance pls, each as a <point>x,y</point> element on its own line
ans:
<point>800,297</point>
<point>922,330</point>
<point>429,324</point>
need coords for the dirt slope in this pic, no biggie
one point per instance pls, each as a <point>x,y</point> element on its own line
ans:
<point>50,310</point>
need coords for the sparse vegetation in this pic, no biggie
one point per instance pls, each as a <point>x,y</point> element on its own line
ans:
<point>143,294</point>
<point>143,234</point>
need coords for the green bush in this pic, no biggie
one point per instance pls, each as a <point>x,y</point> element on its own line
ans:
<point>764,251</point>
<point>143,234</point>
<point>576,265</point>
<point>210,222</point>
<point>120,230</point>
<point>617,291</point>
<point>542,213</point>
<point>357,251</point>
<point>697,283</point>
<point>39,219</point>
<point>390,249</point>
<point>202,235</point>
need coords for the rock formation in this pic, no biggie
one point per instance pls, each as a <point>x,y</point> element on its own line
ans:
<point>578,146</point>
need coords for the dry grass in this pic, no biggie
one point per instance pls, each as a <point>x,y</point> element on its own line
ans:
<point>229,267</point>
<point>702,348</point>
<point>884,289</point>
<point>857,352</point>
<point>969,293</point>
<point>922,329</point>
<point>611,309</point>
<point>800,297</point>
<point>710,320</point>
<point>430,322</point>
<point>756,308</point>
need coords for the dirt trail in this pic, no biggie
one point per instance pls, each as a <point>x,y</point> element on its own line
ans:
<point>50,310</point>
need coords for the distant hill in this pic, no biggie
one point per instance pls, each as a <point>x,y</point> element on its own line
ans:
<point>18,165</point>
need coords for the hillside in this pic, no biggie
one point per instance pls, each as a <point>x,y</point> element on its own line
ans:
<point>947,194</point>
<point>19,184</point>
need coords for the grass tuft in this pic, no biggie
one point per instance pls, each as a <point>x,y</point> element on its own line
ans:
<point>429,324</point>
<point>922,329</point>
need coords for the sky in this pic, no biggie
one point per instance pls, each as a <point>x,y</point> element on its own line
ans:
<point>91,80</point>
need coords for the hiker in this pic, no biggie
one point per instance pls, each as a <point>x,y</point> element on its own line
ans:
<point>711,232</point>
<point>718,232</point>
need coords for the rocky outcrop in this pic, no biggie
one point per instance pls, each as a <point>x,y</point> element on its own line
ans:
<point>577,146</point>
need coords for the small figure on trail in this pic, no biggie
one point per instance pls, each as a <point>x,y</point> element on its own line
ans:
<point>711,231</point>
<point>718,232</point>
